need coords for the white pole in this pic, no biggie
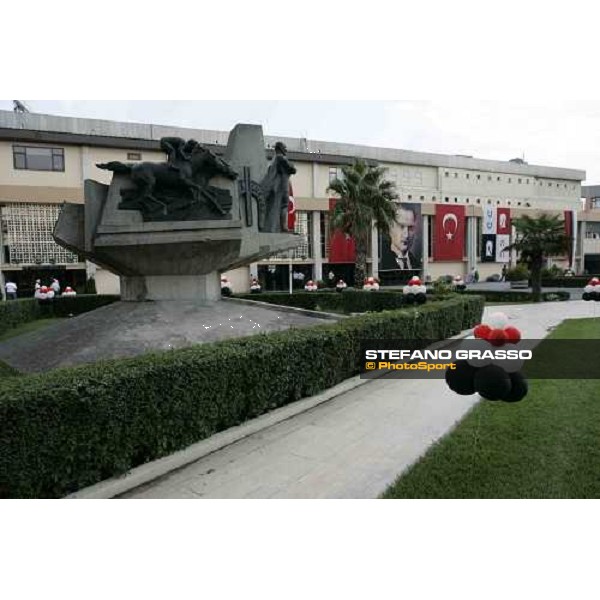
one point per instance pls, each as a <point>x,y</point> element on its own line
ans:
<point>290,275</point>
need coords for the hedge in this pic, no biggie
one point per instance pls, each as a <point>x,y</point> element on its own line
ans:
<point>492,296</point>
<point>17,312</point>
<point>69,428</point>
<point>348,301</point>
<point>577,281</point>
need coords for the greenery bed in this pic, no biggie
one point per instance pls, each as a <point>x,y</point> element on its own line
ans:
<point>546,446</point>
<point>349,301</point>
<point>17,312</point>
<point>499,296</point>
<point>70,428</point>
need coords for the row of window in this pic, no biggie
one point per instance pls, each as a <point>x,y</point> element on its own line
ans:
<point>409,198</point>
<point>36,158</point>
<point>508,179</point>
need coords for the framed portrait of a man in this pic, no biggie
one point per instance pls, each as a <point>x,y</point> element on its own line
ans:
<point>402,249</point>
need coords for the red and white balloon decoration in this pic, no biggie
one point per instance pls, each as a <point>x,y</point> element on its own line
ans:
<point>592,290</point>
<point>415,291</point>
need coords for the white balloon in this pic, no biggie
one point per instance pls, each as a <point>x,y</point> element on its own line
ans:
<point>497,320</point>
<point>407,289</point>
<point>588,289</point>
<point>479,362</point>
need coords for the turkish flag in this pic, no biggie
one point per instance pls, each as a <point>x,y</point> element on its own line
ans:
<point>449,239</point>
<point>291,210</point>
<point>342,248</point>
<point>503,227</point>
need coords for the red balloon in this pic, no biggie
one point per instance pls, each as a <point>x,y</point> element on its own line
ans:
<point>497,337</point>
<point>482,331</point>
<point>513,335</point>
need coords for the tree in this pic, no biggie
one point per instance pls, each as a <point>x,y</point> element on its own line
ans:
<point>365,196</point>
<point>538,239</point>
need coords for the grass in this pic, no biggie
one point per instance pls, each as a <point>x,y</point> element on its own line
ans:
<point>546,446</point>
<point>27,328</point>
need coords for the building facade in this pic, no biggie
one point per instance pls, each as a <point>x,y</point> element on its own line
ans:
<point>455,212</point>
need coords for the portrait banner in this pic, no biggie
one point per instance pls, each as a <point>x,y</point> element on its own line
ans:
<point>489,220</point>
<point>502,242</point>
<point>402,249</point>
<point>504,224</point>
<point>449,239</point>
<point>488,248</point>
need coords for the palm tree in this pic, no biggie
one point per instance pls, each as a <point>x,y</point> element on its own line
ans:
<point>365,196</point>
<point>538,239</point>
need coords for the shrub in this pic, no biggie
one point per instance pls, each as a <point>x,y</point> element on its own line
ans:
<point>351,301</point>
<point>492,296</point>
<point>518,273</point>
<point>69,428</point>
<point>17,312</point>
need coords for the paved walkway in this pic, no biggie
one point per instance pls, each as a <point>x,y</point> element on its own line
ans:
<point>351,447</point>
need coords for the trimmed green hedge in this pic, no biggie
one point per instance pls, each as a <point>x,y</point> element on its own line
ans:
<point>348,301</point>
<point>577,281</point>
<point>499,296</point>
<point>69,428</point>
<point>16,312</point>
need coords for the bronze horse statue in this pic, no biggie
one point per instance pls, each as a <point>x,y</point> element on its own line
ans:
<point>191,173</point>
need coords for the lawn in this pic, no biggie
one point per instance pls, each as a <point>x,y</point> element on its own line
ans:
<point>28,328</point>
<point>547,446</point>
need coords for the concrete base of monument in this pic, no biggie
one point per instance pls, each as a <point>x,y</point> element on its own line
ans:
<point>202,289</point>
<point>127,329</point>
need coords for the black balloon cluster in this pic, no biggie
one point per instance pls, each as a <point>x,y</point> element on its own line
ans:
<point>491,381</point>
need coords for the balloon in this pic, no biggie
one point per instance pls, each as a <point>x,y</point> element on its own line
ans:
<point>482,331</point>
<point>497,337</point>
<point>462,379</point>
<point>586,296</point>
<point>519,388</point>
<point>493,382</point>
<point>513,335</point>
<point>420,298</point>
<point>497,320</point>
<point>410,298</point>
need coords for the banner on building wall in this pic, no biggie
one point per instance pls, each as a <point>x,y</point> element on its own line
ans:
<point>489,220</point>
<point>342,248</point>
<point>403,248</point>
<point>291,210</point>
<point>502,242</point>
<point>449,239</point>
<point>488,248</point>
<point>504,224</point>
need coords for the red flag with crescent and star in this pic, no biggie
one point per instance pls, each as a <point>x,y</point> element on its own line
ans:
<point>449,238</point>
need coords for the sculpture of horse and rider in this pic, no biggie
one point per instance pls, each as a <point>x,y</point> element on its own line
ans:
<point>187,172</point>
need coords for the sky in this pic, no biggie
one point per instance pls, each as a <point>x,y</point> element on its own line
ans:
<point>550,133</point>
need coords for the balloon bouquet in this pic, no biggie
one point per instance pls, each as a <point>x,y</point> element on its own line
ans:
<point>483,376</point>
<point>415,291</point>
<point>592,290</point>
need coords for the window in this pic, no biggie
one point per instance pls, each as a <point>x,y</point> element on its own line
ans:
<point>478,176</point>
<point>519,180</point>
<point>467,176</point>
<point>498,179</point>
<point>134,156</point>
<point>595,202</point>
<point>324,218</point>
<point>431,223</point>
<point>34,158</point>
<point>335,173</point>
<point>489,177</point>
<point>455,175</point>
<point>509,180</point>
<point>527,181</point>
<point>447,174</point>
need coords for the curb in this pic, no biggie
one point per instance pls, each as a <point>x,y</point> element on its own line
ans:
<point>146,473</point>
<point>288,309</point>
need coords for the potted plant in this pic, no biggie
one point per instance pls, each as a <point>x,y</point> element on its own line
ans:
<point>518,277</point>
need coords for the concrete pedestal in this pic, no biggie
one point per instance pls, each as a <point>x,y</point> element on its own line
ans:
<point>203,289</point>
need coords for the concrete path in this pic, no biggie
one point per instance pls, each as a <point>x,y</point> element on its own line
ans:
<point>351,447</point>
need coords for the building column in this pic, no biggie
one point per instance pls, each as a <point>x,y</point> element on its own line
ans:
<point>425,244</point>
<point>582,233</point>
<point>471,243</point>
<point>315,166</point>
<point>573,258</point>
<point>2,282</point>
<point>374,250</point>
<point>253,270</point>
<point>315,215</point>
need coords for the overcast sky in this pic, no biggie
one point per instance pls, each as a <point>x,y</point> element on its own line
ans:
<point>562,134</point>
